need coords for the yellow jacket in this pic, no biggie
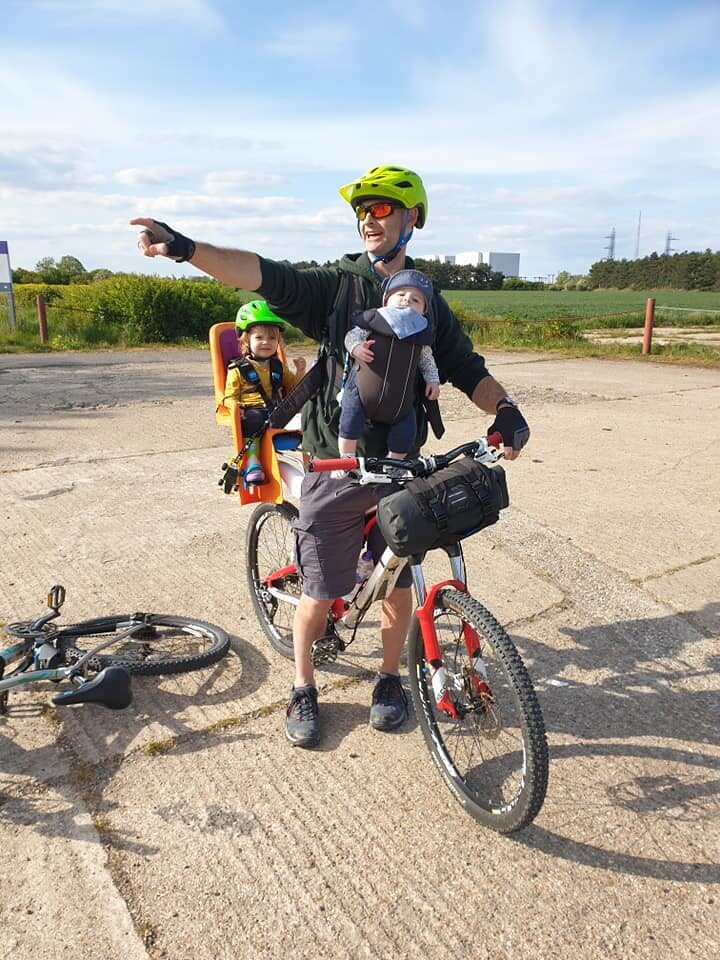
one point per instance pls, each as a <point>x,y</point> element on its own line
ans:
<point>237,387</point>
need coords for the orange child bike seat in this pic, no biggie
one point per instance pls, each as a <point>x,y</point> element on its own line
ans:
<point>224,347</point>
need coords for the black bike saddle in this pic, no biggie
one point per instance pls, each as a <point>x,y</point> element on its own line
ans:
<point>110,688</point>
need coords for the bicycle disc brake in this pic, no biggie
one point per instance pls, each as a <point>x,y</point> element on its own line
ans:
<point>326,649</point>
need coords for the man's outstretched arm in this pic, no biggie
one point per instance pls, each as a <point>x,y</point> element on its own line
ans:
<point>237,268</point>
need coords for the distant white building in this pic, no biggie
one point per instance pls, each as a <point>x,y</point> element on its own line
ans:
<point>439,257</point>
<point>506,263</point>
<point>469,258</point>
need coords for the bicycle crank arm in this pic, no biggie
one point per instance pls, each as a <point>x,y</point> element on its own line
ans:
<point>285,597</point>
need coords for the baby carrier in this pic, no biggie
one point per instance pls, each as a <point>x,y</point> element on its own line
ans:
<point>324,377</point>
<point>387,384</point>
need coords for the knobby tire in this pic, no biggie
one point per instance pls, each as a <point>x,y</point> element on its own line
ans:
<point>270,546</point>
<point>495,757</point>
<point>164,645</point>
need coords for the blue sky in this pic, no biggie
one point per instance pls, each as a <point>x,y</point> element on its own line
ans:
<point>537,126</point>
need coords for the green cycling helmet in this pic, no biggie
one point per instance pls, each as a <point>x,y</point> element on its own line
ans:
<point>254,312</point>
<point>389,183</point>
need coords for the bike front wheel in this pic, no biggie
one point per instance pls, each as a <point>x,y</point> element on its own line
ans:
<point>494,754</point>
<point>273,579</point>
<point>160,644</point>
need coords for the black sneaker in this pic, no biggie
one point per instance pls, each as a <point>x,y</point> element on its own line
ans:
<point>302,725</point>
<point>389,703</point>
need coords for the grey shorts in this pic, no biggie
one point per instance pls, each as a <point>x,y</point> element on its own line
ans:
<point>329,534</point>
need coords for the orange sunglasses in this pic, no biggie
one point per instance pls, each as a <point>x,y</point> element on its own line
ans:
<point>378,211</point>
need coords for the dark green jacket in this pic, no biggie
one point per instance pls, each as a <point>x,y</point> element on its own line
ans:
<point>305,298</point>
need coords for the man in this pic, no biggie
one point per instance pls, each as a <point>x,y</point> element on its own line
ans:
<point>389,202</point>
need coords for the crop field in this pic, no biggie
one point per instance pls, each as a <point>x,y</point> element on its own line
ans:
<point>589,304</point>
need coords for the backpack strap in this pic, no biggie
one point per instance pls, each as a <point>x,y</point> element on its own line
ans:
<point>349,300</point>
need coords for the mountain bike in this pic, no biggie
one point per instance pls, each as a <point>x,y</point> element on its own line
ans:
<point>98,656</point>
<point>471,692</point>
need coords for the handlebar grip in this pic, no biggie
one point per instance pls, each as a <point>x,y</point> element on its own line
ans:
<point>340,463</point>
<point>495,439</point>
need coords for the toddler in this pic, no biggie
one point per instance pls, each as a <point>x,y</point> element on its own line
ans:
<point>258,379</point>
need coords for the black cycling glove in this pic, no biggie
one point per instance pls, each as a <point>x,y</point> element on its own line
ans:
<point>180,248</point>
<point>512,427</point>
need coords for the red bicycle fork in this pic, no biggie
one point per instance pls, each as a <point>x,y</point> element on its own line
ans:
<point>433,654</point>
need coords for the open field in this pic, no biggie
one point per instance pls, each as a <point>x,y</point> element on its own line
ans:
<point>529,320</point>
<point>584,304</point>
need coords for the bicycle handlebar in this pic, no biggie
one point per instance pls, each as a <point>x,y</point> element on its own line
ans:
<point>339,463</point>
<point>416,467</point>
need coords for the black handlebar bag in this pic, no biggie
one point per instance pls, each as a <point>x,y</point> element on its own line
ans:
<point>440,510</point>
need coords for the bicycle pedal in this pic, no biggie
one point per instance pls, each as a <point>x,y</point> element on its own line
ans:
<point>326,649</point>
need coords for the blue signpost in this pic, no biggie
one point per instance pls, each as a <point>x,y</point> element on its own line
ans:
<point>6,281</point>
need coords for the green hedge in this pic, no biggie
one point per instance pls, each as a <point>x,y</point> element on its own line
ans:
<point>128,310</point>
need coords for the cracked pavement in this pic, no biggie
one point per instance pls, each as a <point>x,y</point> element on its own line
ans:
<point>187,827</point>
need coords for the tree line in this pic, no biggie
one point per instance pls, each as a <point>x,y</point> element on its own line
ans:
<point>678,271</point>
<point>447,276</point>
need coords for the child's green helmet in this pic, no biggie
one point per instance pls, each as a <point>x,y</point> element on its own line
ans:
<point>389,183</point>
<point>254,312</point>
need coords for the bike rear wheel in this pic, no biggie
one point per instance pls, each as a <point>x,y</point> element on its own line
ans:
<point>161,645</point>
<point>270,546</point>
<point>494,756</point>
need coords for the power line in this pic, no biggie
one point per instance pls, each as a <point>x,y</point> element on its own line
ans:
<point>668,242</point>
<point>611,246</point>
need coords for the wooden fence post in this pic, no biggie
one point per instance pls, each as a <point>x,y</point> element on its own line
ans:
<point>649,320</point>
<point>42,317</point>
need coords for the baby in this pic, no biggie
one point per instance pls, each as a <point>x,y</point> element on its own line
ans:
<point>388,346</point>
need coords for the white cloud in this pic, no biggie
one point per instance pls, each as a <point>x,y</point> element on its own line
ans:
<point>548,121</point>
<point>304,42</point>
<point>138,176</point>
<point>224,180</point>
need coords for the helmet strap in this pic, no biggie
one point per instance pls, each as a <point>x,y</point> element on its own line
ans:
<point>403,240</point>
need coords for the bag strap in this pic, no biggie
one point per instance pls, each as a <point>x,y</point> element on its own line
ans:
<point>431,506</point>
<point>481,488</point>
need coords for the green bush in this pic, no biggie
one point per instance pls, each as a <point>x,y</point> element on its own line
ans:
<point>152,310</point>
<point>127,310</point>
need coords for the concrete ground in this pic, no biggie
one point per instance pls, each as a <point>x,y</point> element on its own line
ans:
<point>186,827</point>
